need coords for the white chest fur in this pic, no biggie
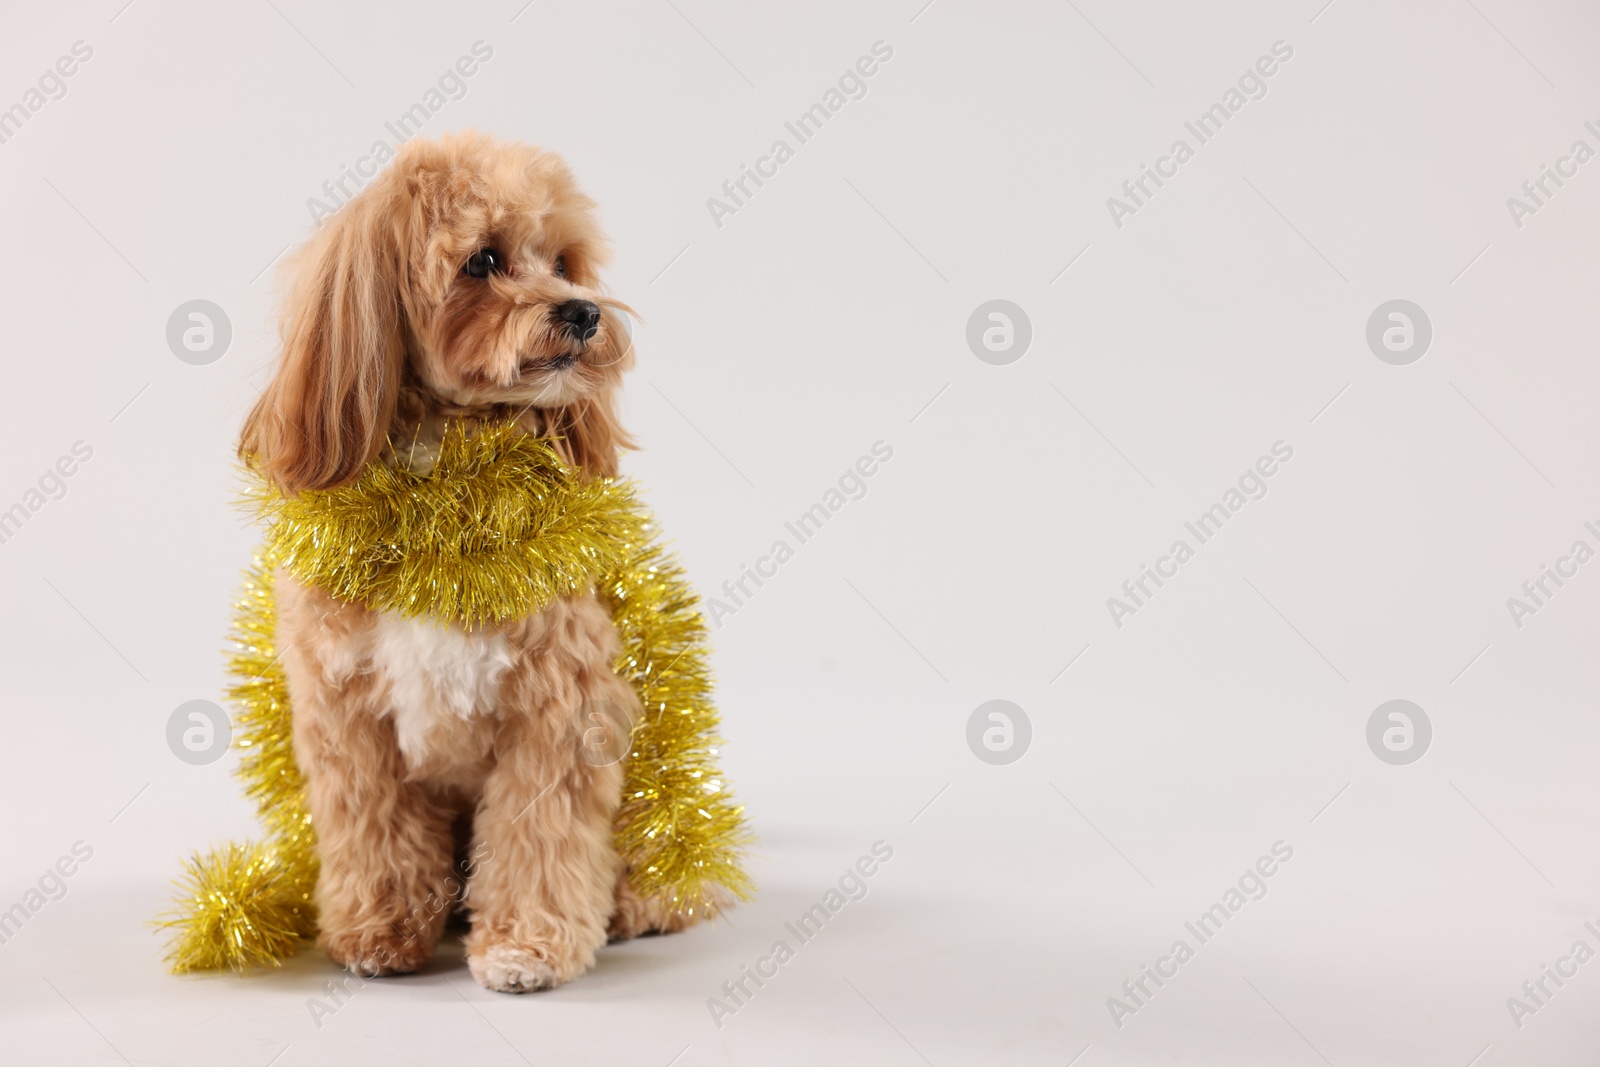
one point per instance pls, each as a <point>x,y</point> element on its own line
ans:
<point>436,673</point>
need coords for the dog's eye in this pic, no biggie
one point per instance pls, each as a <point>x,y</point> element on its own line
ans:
<point>561,266</point>
<point>484,261</point>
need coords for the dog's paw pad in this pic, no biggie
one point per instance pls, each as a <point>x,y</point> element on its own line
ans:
<point>508,968</point>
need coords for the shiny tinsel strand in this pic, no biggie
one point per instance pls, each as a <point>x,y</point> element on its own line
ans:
<point>263,728</point>
<point>678,828</point>
<point>249,905</point>
<point>500,523</point>
<point>239,907</point>
<point>498,529</point>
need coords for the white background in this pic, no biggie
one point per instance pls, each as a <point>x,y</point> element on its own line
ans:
<point>1228,314</point>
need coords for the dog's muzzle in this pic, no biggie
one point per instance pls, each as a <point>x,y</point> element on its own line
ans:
<point>581,316</point>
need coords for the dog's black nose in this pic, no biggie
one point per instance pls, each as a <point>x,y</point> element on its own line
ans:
<point>581,316</point>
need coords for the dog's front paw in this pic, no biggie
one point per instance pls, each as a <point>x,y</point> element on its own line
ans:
<point>375,953</point>
<point>507,967</point>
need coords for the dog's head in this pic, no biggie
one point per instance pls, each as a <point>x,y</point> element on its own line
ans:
<point>465,276</point>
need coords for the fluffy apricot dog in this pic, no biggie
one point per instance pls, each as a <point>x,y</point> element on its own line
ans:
<point>461,284</point>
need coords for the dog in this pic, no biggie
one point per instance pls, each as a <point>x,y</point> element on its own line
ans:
<point>461,284</point>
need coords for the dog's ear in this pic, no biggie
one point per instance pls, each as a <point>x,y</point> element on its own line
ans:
<point>591,432</point>
<point>326,413</point>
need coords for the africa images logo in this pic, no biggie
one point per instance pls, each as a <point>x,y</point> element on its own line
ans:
<point>1252,85</point>
<point>451,85</point>
<point>1252,485</point>
<point>1250,886</point>
<point>852,85</point>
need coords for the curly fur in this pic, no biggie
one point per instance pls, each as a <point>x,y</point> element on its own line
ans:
<point>420,741</point>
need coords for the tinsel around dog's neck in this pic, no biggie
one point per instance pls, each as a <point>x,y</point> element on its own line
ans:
<point>497,527</point>
<point>490,525</point>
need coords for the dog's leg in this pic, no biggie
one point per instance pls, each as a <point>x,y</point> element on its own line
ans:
<point>636,916</point>
<point>542,895</point>
<point>386,884</point>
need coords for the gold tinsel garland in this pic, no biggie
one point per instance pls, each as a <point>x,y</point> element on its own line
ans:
<point>498,528</point>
